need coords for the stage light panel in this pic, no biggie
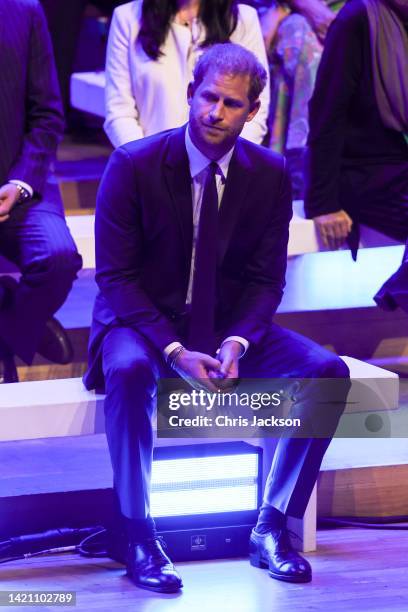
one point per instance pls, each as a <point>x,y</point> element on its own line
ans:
<point>205,484</point>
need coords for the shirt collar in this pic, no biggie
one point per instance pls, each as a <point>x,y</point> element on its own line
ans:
<point>198,161</point>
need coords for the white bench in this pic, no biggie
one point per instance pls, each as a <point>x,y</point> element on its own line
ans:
<point>82,228</point>
<point>301,236</point>
<point>44,409</point>
<point>52,408</point>
<point>88,92</point>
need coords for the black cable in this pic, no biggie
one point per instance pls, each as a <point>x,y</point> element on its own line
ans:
<point>54,541</point>
<point>86,548</point>
<point>97,549</point>
<point>49,551</point>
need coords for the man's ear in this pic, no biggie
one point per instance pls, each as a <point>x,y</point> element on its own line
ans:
<point>190,92</point>
<point>254,108</point>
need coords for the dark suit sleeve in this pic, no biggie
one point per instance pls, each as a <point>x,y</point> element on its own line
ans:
<point>264,275</point>
<point>119,252</point>
<point>337,80</point>
<point>44,118</point>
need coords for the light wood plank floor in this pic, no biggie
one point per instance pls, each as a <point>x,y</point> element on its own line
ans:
<point>355,570</point>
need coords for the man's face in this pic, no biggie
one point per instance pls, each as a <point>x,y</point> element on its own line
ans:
<point>219,109</point>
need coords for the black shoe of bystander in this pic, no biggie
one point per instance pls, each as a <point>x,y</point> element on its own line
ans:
<point>8,370</point>
<point>55,344</point>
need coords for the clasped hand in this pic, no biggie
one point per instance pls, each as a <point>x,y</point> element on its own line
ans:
<point>202,371</point>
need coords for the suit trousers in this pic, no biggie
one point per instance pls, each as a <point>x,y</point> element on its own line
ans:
<point>37,240</point>
<point>132,367</point>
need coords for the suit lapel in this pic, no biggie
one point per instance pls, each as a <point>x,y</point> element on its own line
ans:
<point>177,173</point>
<point>236,189</point>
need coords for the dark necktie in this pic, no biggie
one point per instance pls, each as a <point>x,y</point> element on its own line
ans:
<point>202,332</point>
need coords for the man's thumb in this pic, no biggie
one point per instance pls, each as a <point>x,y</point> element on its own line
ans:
<point>225,366</point>
<point>211,363</point>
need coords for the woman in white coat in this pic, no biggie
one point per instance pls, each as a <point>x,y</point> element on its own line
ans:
<point>152,48</point>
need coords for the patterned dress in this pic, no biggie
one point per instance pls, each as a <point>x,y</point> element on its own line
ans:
<point>294,59</point>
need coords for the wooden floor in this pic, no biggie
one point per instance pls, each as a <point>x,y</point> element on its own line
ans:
<point>354,570</point>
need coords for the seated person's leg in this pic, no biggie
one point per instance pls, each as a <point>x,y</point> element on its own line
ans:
<point>39,243</point>
<point>297,460</point>
<point>131,367</point>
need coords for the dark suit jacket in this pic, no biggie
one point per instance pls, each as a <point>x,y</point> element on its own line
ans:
<point>144,233</point>
<point>31,121</point>
<point>354,161</point>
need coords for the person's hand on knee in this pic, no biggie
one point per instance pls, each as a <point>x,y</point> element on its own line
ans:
<point>9,196</point>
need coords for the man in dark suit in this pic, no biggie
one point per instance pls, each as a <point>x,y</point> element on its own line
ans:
<point>33,232</point>
<point>179,278</point>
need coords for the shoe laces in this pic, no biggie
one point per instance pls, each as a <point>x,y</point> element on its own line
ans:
<point>284,536</point>
<point>155,550</point>
<point>292,534</point>
<point>161,541</point>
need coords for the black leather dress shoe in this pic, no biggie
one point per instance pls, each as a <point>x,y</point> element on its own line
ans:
<point>275,552</point>
<point>8,370</point>
<point>149,567</point>
<point>55,344</point>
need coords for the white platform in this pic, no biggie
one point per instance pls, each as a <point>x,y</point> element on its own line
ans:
<point>302,232</point>
<point>369,452</point>
<point>49,408</point>
<point>44,409</point>
<point>88,92</point>
<point>82,228</point>
<point>301,237</point>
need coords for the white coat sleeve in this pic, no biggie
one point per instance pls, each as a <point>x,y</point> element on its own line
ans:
<point>121,122</point>
<point>248,34</point>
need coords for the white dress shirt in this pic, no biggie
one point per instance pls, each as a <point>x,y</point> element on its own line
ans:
<point>145,96</point>
<point>199,165</point>
<point>24,185</point>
